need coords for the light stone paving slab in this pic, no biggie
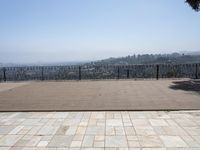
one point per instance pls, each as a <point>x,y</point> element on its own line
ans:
<point>9,140</point>
<point>145,130</point>
<point>114,122</point>
<point>88,141</point>
<point>116,141</point>
<point>16,130</point>
<point>47,130</point>
<point>112,130</point>
<point>173,141</point>
<point>150,141</point>
<point>34,141</point>
<point>158,122</point>
<point>43,143</point>
<point>61,141</point>
<point>5,129</point>
<point>95,130</point>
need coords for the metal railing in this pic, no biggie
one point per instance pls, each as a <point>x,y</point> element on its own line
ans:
<point>87,72</point>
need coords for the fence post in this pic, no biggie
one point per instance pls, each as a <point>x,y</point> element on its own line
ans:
<point>4,74</point>
<point>79,72</point>
<point>118,72</point>
<point>196,71</point>
<point>128,73</point>
<point>157,72</point>
<point>42,73</point>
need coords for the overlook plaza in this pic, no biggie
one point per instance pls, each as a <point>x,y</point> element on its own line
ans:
<point>105,114</point>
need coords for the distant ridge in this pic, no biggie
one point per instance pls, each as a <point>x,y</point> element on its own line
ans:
<point>173,58</point>
<point>183,57</point>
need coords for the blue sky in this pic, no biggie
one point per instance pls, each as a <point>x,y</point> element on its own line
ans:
<point>78,30</point>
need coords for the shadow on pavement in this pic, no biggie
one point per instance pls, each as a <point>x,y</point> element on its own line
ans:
<point>190,85</point>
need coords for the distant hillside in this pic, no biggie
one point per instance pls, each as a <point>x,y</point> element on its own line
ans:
<point>174,58</point>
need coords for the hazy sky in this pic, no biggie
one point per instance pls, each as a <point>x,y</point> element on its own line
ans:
<point>77,30</point>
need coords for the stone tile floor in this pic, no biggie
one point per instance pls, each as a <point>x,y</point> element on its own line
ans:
<point>111,130</point>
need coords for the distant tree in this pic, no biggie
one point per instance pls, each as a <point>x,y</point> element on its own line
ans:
<point>195,4</point>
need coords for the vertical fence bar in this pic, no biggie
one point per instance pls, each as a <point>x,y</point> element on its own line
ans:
<point>196,71</point>
<point>79,72</point>
<point>157,72</point>
<point>118,72</point>
<point>4,74</point>
<point>128,73</point>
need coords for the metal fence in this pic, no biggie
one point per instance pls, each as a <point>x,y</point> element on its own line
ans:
<point>99,72</point>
